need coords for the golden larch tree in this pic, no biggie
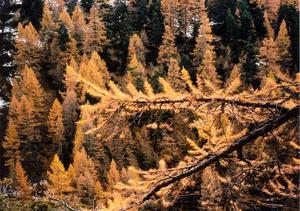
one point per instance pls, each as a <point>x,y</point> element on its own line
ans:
<point>57,6</point>
<point>86,177</point>
<point>136,47</point>
<point>78,140</point>
<point>136,72</point>
<point>269,28</point>
<point>70,105</point>
<point>167,49</point>
<point>22,184</point>
<point>185,14</point>
<point>95,36</point>
<point>82,163</point>
<point>113,175</point>
<point>207,69</point>
<point>56,58</point>
<point>32,118</point>
<point>65,17</point>
<point>203,39</point>
<point>101,66</point>
<point>283,44</point>
<point>168,9</point>
<point>11,146</point>
<point>48,25</point>
<point>79,30</point>
<point>25,122</point>
<point>13,106</point>
<point>28,47</point>
<point>33,148</point>
<point>32,88</point>
<point>95,70</point>
<point>56,126</point>
<point>71,52</point>
<point>59,179</point>
<point>84,59</point>
<point>268,58</point>
<point>272,6</point>
<point>174,76</point>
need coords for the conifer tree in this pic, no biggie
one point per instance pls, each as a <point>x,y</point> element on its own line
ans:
<point>31,137</point>
<point>32,122</point>
<point>48,25</point>
<point>232,27</point>
<point>185,14</point>
<point>84,59</point>
<point>28,47</point>
<point>203,39</point>
<point>13,105</point>
<point>79,30</point>
<point>113,175</point>
<point>283,44</point>
<point>92,72</point>
<point>49,40</point>
<point>83,163</point>
<point>155,31</point>
<point>136,47</point>
<point>136,72</point>
<point>56,127</point>
<point>32,88</point>
<point>22,183</point>
<point>207,70</point>
<point>57,6</point>
<point>101,65</point>
<point>86,5</point>
<point>71,52</point>
<point>168,8</point>
<point>25,122</point>
<point>64,16</point>
<point>78,140</point>
<point>174,76</point>
<point>95,70</point>
<point>86,177</point>
<point>270,30</point>
<point>70,105</point>
<point>56,58</point>
<point>11,145</point>
<point>95,36</point>
<point>138,13</point>
<point>268,58</point>
<point>272,7</point>
<point>73,63</point>
<point>247,27</point>
<point>59,179</point>
<point>167,49</point>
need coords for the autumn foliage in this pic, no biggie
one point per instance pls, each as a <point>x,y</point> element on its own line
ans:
<point>153,105</point>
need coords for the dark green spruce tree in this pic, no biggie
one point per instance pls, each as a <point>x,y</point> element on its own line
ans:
<point>154,29</point>
<point>118,32</point>
<point>32,11</point>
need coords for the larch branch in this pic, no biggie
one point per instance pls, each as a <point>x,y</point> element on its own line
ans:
<point>228,101</point>
<point>260,130</point>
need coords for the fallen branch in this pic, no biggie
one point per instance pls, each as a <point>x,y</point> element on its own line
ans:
<point>236,102</point>
<point>258,131</point>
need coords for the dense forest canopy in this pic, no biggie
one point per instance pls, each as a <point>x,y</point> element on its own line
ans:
<point>149,105</point>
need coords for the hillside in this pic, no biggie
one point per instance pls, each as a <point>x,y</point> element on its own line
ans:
<point>149,105</point>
